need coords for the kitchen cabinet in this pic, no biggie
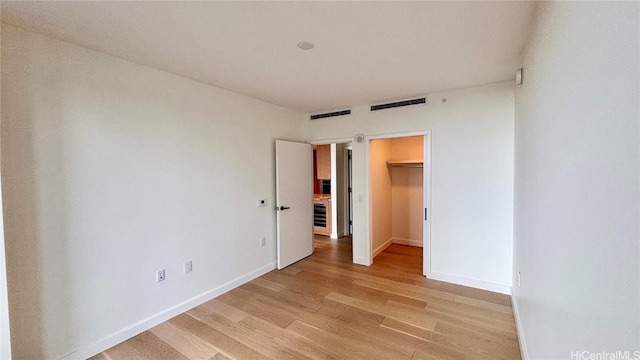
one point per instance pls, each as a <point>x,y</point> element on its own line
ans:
<point>323,162</point>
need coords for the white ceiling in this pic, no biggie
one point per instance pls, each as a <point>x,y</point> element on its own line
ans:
<point>365,51</point>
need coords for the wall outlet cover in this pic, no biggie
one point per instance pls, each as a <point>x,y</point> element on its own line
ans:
<point>188,266</point>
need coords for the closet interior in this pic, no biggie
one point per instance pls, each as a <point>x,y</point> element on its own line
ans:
<point>396,180</point>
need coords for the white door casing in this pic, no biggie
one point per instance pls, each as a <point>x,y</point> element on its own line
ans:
<point>294,201</point>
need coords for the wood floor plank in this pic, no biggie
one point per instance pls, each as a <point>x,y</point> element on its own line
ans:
<point>124,351</point>
<point>344,346</point>
<point>228,346</point>
<point>185,343</point>
<point>352,328</point>
<point>484,304</point>
<point>100,356</point>
<point>369,326</point>
<point>410,291</point>
<point>400,314</point>
<point>461,310</point>
<point>479,309</point>
<point>268,284</point>
<point>481,349</point>
<point>359,292</point>
<point>220,356</point>
<point>509,345</point>
<point>247,303</point>
<point>289,339</point>
<point>326,307</point>
<point>286,297</point>
<point>152,347</point>
<point>385,284</point>
<point>421,355</point>
<point>465,321</point>
<point>252,339</point>
<point>229,312</point>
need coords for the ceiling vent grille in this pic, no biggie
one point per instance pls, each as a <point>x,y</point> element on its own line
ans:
<point>391,105</point>
<point>330,114</point>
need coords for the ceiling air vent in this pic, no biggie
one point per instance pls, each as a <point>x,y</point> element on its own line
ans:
<point>330,114</point>
<point>422,100</point>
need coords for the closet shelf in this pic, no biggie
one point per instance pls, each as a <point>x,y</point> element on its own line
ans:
<point>405,163</point>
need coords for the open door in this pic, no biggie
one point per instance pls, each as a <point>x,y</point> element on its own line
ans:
<point>294,201</point>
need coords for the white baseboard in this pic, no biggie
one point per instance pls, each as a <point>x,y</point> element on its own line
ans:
<point>417,243</point>
<point>478,284</point>
<point>516,315</point>
<point>146,324</point>
<point>381,248</point>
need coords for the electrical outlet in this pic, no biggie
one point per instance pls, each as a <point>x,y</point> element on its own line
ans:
<point>160,275</point>
<point>188,266</point>
<point>263,241</point>
<point>518,278</point>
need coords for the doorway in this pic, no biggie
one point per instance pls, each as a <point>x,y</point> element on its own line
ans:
<point>332,202</point>
<point>399,193</point>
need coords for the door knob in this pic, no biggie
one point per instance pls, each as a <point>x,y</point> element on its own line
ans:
<point>284,208</point>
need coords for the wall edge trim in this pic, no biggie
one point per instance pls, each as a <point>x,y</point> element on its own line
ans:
<point>478,284</point>
<point>409,242</point>
<point>520,331</point>
<point>381,248</point>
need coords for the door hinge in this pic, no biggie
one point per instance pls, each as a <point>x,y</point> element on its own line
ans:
<point>425,214</point>
<point>349,189</point>
<point>350,222</point>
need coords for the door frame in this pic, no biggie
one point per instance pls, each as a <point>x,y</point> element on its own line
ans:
<point>426,193</point>
<point>348,211</point>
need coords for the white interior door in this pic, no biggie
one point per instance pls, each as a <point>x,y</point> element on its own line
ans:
<point>294,201</point>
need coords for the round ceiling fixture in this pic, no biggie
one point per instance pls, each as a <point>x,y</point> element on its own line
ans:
<point>305,45</point>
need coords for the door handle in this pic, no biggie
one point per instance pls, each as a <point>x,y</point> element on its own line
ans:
<point>284,208</point>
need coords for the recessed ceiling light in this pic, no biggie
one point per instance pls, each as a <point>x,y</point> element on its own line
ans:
<point>305,45</point>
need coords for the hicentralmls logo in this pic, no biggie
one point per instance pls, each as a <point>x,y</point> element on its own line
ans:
<point>614,355</point>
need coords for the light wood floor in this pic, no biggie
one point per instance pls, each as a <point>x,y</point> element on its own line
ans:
<point>324,307</point>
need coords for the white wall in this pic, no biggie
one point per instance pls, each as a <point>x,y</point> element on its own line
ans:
<point>381,202</point>
<point>577,181</point>
<point>472,181</point>
<point>112,170</point>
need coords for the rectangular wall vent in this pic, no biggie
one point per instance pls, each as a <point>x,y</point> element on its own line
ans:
<point>399,103</point>
<point>330,114</point>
